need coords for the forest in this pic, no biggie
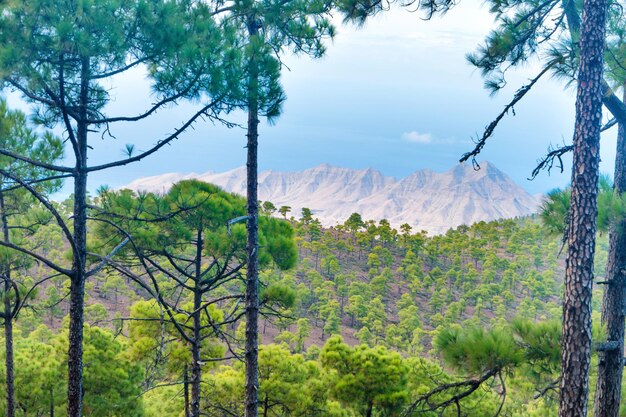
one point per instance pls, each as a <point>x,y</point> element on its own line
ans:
<point>197,302</point>
<point>366,322</point>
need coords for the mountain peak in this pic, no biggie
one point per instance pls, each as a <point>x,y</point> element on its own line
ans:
<point>427,200</point>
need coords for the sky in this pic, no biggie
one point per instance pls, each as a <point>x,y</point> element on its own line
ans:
<point>396,95</point>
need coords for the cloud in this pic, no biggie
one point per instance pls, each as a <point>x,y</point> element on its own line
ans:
<point>417,137</point>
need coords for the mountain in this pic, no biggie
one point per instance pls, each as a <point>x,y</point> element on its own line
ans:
<point>427,200</point>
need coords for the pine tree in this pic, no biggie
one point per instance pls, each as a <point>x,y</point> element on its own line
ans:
<point>610,367</point>
<point>61,55</point>
<point>266,30</point>
<point>576,339</point>
<point>185,236</point>
<point>16,136</point>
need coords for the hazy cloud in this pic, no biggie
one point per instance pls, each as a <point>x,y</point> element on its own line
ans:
<point>417,137</point>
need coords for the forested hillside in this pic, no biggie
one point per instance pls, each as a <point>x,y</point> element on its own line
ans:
<point>366,322</point>
<point>397,287</point>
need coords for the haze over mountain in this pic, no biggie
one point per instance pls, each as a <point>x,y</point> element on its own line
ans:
<point>426,200</point>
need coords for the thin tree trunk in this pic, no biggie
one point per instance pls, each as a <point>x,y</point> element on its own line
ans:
<point>252,284</point>
<point>195,378</point>
<point>8,343</point>
<point>77,288</point>
<point>8,318</point>
<point>186,391</point>
<point>611,364</point>
<point>576,340</point>
<point>196,371</point>
<point>77,300</point>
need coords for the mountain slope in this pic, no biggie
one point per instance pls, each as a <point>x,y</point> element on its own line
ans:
<point>427,200</point>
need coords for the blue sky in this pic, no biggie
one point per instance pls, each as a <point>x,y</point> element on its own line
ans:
<point>396,95</point>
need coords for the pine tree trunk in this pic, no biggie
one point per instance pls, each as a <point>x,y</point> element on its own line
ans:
<point>8,319</point>
<point>576,340</point>
<point>196,371</point>
<point>77,287</point>
<point>196,378</point>
<point>611,364</point>
<point>186,391</point>
<point>8,343</point>
<point>77,301</point>
<point>252,284</point>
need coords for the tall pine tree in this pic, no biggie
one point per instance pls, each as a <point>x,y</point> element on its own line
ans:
<point>576,339</point>
<point>62,56</point>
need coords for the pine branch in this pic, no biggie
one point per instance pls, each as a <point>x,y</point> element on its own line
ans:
<point>613,103</point>
<point>552,386</point>
<point>489,130</point>
<point>43,260</point>
<point>107,258</point>
<point>554,156</point>
<point>29,94</point>
<point>121,69</point>
<point>156,106</point>
<point>425,402</point>
<point>47,205</point>
<point>38,164</point>
<point>159,145</point>
<point>32,289</point>
<point>37,181</point>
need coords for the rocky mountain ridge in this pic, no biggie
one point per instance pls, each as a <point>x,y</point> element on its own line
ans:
<point>427,200</point>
